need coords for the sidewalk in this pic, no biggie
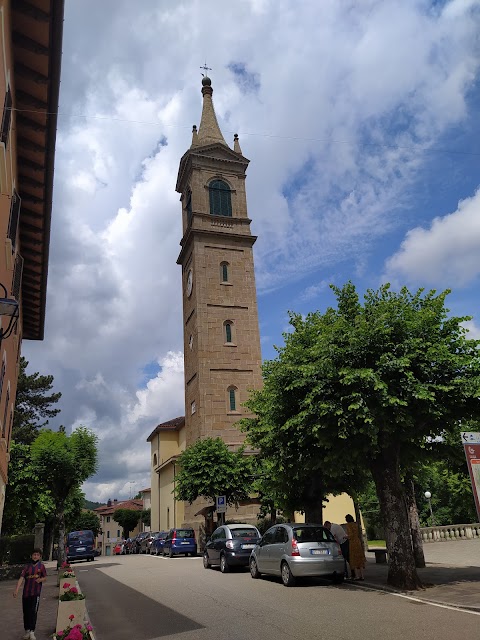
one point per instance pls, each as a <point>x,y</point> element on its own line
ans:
<point>451,577</point>
<point>11,622</point>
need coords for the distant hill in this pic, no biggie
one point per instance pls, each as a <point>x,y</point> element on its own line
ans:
<point>88,504</point>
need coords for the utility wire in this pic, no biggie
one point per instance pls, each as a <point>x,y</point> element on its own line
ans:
<point>253,134</point>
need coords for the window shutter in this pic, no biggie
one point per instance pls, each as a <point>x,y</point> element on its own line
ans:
<point>220,198</point>
<point>233,404</point>
<point>224,272</point>
<point>228,332</point>
<point>7,117</point>
<point>17,277</point>
<point>14,215</point>
<point>189,208</point>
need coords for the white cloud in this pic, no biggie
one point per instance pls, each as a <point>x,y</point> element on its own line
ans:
<point>446,253</point>
<point>473,329</point>
<point>347,100</point>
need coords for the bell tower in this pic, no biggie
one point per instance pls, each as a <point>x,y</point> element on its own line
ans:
<point>220,318</point>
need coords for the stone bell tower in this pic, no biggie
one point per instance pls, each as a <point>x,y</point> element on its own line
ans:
<point>220,319</point>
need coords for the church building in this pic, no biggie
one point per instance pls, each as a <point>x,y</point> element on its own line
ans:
<point>220,320</point>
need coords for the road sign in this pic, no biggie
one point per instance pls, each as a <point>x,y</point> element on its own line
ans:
<point>471,446</point>
<point>221,504</point>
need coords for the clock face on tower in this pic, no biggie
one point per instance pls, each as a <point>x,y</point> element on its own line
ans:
<point>189,283</point>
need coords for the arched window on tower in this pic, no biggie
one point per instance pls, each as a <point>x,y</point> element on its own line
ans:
<point>224,271</point>
<point>228,331</point>
<point>188,207</point>
<point>232,398</point>
<point>220,198</point>
<point>154,459</point>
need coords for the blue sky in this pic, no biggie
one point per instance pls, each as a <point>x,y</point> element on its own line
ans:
<point>361,124</point>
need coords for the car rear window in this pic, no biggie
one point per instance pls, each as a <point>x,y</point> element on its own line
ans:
<point>247,532</point>
<point>185,533</point>
<point>313,534</point>
<point>79,540</point>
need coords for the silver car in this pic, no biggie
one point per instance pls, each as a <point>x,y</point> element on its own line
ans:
<point>298,550</point>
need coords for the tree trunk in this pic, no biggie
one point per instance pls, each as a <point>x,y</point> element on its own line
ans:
<point>61,536</point>
<point>414,522</point>
<point>401,563</point>
<point>313,497</point>
<point>273,513</point>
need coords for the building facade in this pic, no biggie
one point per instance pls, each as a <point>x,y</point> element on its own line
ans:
<point>30,53</point>
<point>110,531</point>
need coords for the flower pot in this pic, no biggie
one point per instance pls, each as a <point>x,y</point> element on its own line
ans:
<point>68,608</point>
<point>70,581</point>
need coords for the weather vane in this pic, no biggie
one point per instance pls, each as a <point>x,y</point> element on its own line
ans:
<point>205,68</point>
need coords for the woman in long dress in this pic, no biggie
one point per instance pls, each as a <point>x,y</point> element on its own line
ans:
<point>356,553</point>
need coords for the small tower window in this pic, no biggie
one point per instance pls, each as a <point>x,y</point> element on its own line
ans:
<point>189,207</point>
<point>232,398</point>
<point>224,271</point>
<point>220,198</point>
<point>228,332</point>
<point>154,459</point>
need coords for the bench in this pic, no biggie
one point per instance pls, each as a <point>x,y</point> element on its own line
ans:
<point>380,554</point>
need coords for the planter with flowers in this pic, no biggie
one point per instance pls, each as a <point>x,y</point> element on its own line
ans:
<point>73,631</point>
<point>71,603</point>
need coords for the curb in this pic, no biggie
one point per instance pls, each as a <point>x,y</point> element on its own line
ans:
<point>413,594</point>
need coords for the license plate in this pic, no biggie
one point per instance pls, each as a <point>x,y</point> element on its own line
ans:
<point>185,543</point>
<point>81,549</point>
<point>319,552</point>
<point>247,546</point>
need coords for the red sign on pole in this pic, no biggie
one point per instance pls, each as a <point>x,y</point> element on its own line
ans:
<point>471,445</point>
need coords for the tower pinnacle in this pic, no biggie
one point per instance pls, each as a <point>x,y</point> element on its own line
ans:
<point>209,131</point>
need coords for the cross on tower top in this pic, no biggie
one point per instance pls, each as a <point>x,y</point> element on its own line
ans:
<point>205,68</point>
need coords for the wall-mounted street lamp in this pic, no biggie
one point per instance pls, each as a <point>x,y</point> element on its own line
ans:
<point>428,496</point>
<point>8,307</point>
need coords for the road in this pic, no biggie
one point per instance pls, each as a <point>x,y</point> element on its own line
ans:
<point>144,598</point>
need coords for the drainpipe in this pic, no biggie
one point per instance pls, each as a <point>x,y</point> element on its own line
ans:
<point>174,499</point>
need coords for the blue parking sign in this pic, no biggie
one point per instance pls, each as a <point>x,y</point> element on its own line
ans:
<point>221,504</point>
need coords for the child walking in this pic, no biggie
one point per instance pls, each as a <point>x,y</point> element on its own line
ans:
<point>32,577</point>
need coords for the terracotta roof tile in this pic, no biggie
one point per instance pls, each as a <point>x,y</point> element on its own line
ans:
<point>171,425</point>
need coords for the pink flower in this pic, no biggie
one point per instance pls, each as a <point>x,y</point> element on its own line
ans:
<point>71,617</point>
<point>66,585</point>
<point>75,634</point>
<point>74,590</point>
<point>89,627</point>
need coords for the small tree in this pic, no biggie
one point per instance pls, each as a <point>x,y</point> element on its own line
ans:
<point>209,469</point>
<point>33,404</point>
<point>128,519</point>
<point>64,463</point>
<point>146,517</point>
<point>87,520</point>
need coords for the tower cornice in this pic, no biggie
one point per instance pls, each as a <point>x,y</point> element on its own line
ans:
<point>202,157</point>
<point>239,238</point>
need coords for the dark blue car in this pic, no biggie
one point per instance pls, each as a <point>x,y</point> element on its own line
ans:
<point>180,541</point>
<point>80,545</point>
<point>158,542</point>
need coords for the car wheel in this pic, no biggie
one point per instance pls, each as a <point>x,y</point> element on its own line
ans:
<point>206,562</point>
<point>338,578</point>
<point>254,572</point>
<point>224,568</point>
<point>288,578</point>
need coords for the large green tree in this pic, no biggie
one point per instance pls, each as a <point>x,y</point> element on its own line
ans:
<point>208,468</point>
<point>128,519</point>
<point>63,463</point>
<point>370,384</point>
<point>34,404</point>
<point>86,520</point>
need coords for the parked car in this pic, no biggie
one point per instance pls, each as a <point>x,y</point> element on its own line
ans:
<point>230,546</point>
<point>158,542</point>
<point>146,543</point>
<point>80,545</point>
<point>137,541</point>
<point>119,548</point>
<point>297,550</point>
<point>128,545</point>
<point>180,541</point>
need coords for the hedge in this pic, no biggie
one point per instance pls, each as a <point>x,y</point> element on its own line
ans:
<point>16,549</point>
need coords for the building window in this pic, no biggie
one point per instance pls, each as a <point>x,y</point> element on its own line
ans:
<point>189,207</point>
<point>228,331</point>
<point>108,534</point>
<point>108,518</point>
<point>168,517</point>
<point>7,117</point>
<point>118,533</point>
<point>220,198</point>
<point>232,398</point>
<point>193,407</point>
<point>224,271</point>
<point>154,459</point>
<point>5,415</point>
<point>2,372</point>
<point>14,214</point>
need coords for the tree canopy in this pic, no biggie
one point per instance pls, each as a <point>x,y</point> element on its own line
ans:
<point>86,520</point>
<point>209,469</point>
<point>33,405</point>
<point>128,519</point>
<point>367,386</point>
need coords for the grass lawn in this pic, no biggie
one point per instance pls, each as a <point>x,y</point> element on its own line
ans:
<point>376,543</point>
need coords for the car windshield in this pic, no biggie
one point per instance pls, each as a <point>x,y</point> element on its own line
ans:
<point>78,539</point>
<point>245,532</point>
<point>185,533</point>
<point>313,534</point>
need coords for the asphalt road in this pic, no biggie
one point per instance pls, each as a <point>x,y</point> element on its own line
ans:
<point>144,597</point>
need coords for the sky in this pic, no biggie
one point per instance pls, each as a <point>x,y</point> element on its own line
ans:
<point>360,120</point>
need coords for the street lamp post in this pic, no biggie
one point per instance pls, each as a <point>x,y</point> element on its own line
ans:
<point>428,496</point>
<point>8,307</point>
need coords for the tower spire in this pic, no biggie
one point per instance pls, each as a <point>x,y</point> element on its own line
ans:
<point>209,131</point>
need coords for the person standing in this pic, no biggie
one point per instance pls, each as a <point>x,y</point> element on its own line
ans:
<point>357,555</point>
<point>341,537</point>
<point>32,577</point>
